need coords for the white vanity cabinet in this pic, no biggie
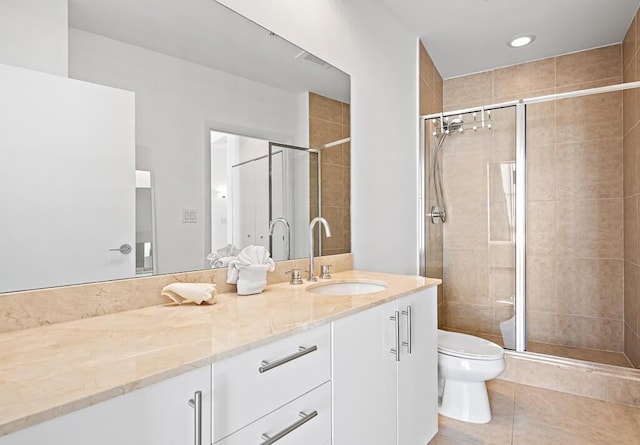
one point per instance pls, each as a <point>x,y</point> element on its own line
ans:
<point>382,395</point>
<point>281,387</point>
<point>159,414</point>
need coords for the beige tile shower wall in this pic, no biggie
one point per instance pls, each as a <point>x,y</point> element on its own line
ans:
<point>329,121</point>
<point>431,102</point>
<point>575,206</point>
<point>631,116</point>
<point>29,309</point>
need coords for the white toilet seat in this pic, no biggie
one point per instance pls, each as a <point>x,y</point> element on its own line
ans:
<point>467,346</point>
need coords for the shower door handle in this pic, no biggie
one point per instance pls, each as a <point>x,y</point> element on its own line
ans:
<point>407,343</point>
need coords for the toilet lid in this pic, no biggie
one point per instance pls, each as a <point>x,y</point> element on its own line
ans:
<point>468,346</point>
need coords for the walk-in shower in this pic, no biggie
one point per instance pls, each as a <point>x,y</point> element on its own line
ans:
<point>539,247</point>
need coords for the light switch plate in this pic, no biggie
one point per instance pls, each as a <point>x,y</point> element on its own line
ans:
<point>189,216</point>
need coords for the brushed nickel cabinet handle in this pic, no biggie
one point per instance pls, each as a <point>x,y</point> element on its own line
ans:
<point>407,343</point>
<point>266,366</point>
<point>304,418</point>
<point>396,351</point>
<point>196,404</point>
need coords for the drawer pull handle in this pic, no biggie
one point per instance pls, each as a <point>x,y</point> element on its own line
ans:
<point>304,418</point>
<point>196,404</point>
<point>407,343</point>
<point>396,351</point>
<point>266,366</point>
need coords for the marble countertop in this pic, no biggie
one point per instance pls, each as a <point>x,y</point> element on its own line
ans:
<point>49,371</point>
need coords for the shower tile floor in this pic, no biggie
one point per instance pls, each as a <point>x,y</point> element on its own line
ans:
<point>590,355</point>
<point>527,415</point>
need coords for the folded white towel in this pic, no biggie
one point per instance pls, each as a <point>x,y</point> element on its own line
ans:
<point>222,262</point>
<point>252,279</point>
<point>217,258</point>
<point>249,271</point>
<point>197,293</point>
<point>255,255</point>
<point>228,250</point>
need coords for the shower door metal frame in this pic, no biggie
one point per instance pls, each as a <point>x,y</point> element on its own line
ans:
<point>521,187</point>
<point>521,227</point>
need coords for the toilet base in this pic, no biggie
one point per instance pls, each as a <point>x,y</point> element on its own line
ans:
<point>465,401</point>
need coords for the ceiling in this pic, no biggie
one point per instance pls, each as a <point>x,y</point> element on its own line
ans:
<point>209,34</point>
<point>469,36</point>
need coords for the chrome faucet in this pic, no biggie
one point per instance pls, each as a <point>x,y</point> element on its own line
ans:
<point>327,230</point>
<point>287,229</point>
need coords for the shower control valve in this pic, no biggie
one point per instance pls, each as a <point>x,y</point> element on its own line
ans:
<point>437,216</point>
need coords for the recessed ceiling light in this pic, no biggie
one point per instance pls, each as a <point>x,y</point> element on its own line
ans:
<point>522,40</point>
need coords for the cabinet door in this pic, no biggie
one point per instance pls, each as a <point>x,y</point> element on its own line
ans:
<point>158,415</point>
<point>364,378</point>
<point>418,370</point>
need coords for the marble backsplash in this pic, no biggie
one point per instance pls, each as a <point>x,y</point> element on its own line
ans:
<point>33,308</point>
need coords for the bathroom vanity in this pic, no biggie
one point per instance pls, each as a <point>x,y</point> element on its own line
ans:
<point>286,366</point>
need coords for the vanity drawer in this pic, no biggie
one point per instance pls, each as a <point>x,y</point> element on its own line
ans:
<point>312,430</point>
<point>246,388</point>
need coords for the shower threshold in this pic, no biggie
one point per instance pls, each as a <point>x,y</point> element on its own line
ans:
<point>585,354</point>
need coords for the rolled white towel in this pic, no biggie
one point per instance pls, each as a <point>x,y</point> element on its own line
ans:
<point>221,257</point>
<point>252,279</point>
<point>223,262</point>
<point>249,270</point>
<point>197,293</point>
<point>251,255</point>
<point>228,250</point>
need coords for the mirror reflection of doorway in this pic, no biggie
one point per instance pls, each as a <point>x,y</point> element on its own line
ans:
<point>244,201</point>
<point>145,234</point>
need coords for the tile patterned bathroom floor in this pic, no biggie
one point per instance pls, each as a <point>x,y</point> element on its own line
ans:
<point>528,415</point>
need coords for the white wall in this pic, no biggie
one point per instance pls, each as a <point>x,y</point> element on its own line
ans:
<point>33,34</point>
<point>380,55</point>
<point>177,102</point>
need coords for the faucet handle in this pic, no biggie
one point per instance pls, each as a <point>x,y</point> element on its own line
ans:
<point>296,276</point>
<point>324,271</point>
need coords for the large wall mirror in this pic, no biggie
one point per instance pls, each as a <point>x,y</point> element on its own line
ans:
<point>184,133</point>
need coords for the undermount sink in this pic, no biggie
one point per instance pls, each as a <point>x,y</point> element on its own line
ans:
<point>351,287</point>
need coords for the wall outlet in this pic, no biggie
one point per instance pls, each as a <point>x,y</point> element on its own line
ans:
<point>189,216</point>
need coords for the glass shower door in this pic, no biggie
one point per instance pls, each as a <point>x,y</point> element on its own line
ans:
<point>472,249</point>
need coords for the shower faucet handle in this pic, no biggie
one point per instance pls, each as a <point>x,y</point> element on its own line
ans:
<point>437,216</point>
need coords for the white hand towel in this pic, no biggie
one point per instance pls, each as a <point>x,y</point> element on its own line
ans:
<point>221,257</point>
<point>197,293</point>
<point>256,255</point>
<point>233,271</point>
<point>252,279</point>
<point>224,261</point>
<point>228,250</point>
<point>249,270</point>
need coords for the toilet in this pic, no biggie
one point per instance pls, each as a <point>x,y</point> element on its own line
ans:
<point>465,363</point>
